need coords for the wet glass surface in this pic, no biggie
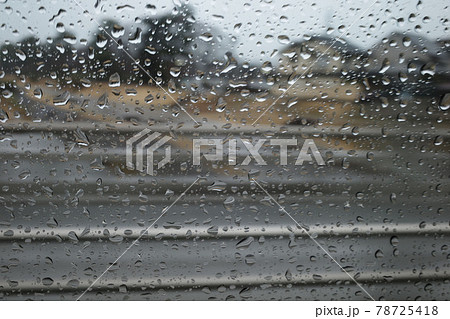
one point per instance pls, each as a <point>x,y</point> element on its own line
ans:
<point>367,82</point>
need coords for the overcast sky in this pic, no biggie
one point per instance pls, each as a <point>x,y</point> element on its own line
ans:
<point>254,28</point>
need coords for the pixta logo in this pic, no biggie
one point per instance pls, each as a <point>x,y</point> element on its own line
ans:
<point>252,151</point>
<point>143,141</point>
<point>214,149</point>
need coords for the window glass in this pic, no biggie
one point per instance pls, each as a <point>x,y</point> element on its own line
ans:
<point>228,150</point>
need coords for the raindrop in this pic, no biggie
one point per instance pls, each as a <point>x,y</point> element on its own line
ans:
<point>148,99</point>
<point>116,239</point>
<point>444,104</point>
<point>37,93</point>
<point>393,198</point>
<point>283,39</point>
<point>288,275</point>
<point>73,236</point>
<point>47,281</point>
<point>60,27</point>
<point>175,71</point>
<point>52,223</point>
<point>74,283</point>
<point>385,66</point>
<point>428,69</point>
<point>217,186</point>
<point>117,31</point>
<point>439,140</point>
<point>245,243</point>
<point>207,37</point>
<point>221,105</point>
<point>85,82</point>
<point>7,94</point>
<point>21,55</point>
<point>136,38</point>
<point>3,116</point>
<point>213,230</point>
<point>228,203</point>
<point>267,67</point>
<point>394,241</point>
<point>317,277</point>
<point>25,174</point>
<point>114,80</point>
<point>102,102</point>
<point>81,138</point>
<point>61,99</point>
<point>379,254</point>
<point>101,41</point>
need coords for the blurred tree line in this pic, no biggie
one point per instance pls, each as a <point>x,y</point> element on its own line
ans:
<point>164,46</point>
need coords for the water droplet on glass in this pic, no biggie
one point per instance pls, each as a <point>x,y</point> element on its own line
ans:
<point>61,99</point>
<point>245,243</point>
<point>379,254</point>
<point>207,37</point>
<point>102,102</point>
<point>114,80</point>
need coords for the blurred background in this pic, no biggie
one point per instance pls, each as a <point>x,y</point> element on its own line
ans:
<point>368,82</point>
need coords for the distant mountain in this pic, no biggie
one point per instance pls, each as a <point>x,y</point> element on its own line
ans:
<point>322,55</point>
<point>409,54</point>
